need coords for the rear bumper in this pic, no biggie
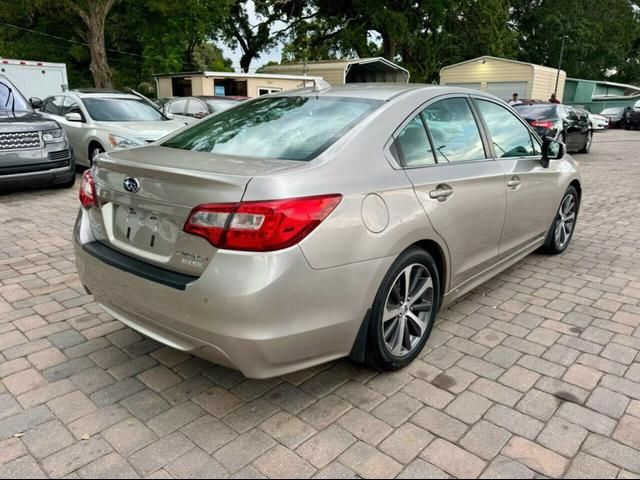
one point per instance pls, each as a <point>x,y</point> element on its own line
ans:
<point>263,314</point>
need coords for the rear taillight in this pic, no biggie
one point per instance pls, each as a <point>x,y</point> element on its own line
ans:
<point>88,190</point>
<point>548,124</point>
<point>260,226</point>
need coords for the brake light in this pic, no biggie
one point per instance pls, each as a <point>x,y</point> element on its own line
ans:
<point>88,190</point>
<point>260,226</point>
<point>548,124</point>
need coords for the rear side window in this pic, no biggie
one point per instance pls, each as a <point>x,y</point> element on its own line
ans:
<point>288,128</point>
<point>510,138</point>
<point>455,133</point>
<point>413,145</point>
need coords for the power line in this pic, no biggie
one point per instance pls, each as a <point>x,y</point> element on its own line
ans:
<point>76,42</point>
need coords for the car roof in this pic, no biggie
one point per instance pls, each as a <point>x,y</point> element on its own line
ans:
<point>102,94</point>
<point>379,91</point>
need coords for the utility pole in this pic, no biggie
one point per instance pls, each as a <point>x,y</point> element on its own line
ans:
<point>564,38</point>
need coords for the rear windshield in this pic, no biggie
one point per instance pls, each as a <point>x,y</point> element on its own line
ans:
<point>121,110</point>
<point>287,128</point>
<point>537,111</point>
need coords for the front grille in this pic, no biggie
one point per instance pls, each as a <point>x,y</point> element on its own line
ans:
<point>19,140</point>
<point>61,155</point>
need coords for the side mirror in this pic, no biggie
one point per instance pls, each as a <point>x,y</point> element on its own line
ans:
<point>36,103</point>
<point>169,115</point>
<point>73,117</point>
<point>552,150</point>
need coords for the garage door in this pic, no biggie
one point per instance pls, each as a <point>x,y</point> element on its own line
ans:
<point>505,90</point>
<point>472,86</point>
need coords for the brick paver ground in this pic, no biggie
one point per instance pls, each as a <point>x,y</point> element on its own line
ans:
<point>536,373</point>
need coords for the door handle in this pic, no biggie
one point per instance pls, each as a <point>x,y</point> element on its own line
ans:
<point>514,183</point>
<point>441,193</point>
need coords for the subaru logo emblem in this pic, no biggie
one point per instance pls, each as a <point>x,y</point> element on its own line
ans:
<point>131,185</point>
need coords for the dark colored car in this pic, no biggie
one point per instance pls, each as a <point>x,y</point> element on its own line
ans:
<point>615,116</point>
<point>199,107</point>
<point>561,123</point>
<point>34,151</point>
<point>631,119</point>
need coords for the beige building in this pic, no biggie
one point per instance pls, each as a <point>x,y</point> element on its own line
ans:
<point>341,72</point>
<point>502,78</point>
<point>227,84</point>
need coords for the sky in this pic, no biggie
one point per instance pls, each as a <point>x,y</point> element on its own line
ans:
<point>235,54</point>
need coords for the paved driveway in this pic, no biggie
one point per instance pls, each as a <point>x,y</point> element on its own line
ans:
<point>535,373</point>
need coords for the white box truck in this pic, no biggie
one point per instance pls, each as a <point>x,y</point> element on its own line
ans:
<point>35,79</point>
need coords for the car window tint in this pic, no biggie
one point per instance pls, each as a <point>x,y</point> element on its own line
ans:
<point>178,107</point>
<point>287,128</point>
<point>455,133</point>
<point>53,105</point>
<point>413,144</point>
<point>196,107</point>
<point>121,110</point>
<point>509,136</point>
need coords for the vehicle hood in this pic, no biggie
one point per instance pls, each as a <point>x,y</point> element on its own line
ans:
<point>147,131</point>
<point>173,159</point>
<point>25,122</point>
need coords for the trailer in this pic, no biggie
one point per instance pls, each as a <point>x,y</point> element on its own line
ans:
<point>36,79</point>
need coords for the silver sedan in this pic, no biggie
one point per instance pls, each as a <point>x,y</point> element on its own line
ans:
<point>312,225</point>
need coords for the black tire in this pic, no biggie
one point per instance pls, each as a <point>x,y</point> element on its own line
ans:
<point>95,150</point>
<point>68,183</point>
<point>378,354</point>
<point>588,141</point>
<point>554,245</point>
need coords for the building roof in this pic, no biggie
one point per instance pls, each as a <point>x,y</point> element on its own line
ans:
<point>208,73</point>
<point>631,90</point>
<point>338,64</point>
<point>498,59</point>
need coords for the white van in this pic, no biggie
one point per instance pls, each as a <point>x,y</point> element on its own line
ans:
<point>36,79</point>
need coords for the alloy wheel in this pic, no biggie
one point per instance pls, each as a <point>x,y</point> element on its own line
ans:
<point>566,220</point>
<point>407,310</point>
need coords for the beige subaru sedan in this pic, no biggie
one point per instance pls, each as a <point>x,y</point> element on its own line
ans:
<point>303,227</point>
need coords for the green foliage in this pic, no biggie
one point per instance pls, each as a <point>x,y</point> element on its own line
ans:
<point>145,37</point>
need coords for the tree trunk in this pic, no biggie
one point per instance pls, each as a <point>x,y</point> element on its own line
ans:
<point>94,16</point>
<point>102,75</point>
<point>245,61</point>
<point>389,46</point>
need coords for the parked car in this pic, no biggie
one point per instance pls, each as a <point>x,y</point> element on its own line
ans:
<point>615,116</point>
<point>34,151</point>
<point>598,122</point>
<point>99,121</point>
<point>311,225</point>
<point>631,118</point>
<point>561,123</point>
<point>193,109</point>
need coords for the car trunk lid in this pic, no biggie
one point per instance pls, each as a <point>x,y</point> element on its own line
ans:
<point>145,197</point>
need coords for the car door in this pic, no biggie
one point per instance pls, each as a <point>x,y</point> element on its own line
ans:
<point>575,129</point>
<point>460,188</point>
<point>75,130</point>
<point>531,189</point>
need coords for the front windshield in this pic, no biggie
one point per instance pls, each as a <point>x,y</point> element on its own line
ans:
<point>11,98</point>
<point>287,128</point>
<point>121,110</point>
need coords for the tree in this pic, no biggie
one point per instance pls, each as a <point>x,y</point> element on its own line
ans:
<point>93,14</point>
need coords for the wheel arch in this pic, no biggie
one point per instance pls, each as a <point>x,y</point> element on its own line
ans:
<point>578,186</point>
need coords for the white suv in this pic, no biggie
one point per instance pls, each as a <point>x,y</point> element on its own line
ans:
<point>99,121</point>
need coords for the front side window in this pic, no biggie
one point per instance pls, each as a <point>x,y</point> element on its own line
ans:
<point>287,128</point>
<point>53,105</point>
<point>509,136</point>
<point>455,133</point>
<point>196,108</point>
<point>121,110</point>
<point>413,145</point>
<point>178,107</point>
